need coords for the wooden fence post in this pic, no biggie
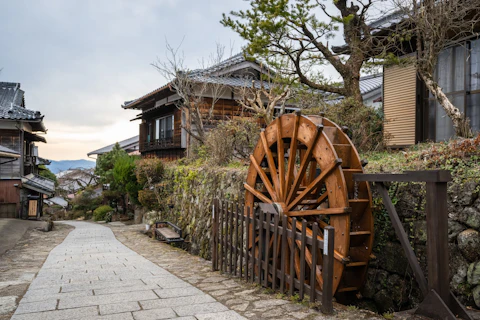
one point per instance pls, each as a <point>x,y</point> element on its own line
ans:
<point>215,235</point>
<point>328,245</point>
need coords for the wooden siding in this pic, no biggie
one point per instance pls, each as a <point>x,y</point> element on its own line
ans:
<point>399,105</point>
<point>8,192</point>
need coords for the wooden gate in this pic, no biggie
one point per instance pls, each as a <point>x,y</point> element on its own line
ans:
<point>268,264</point>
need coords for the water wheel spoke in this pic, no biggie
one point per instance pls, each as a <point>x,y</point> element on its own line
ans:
<point>264,178</point>
<point>271,163</point>
<point>327,211</point>
<point>314,184</point>
<point>257,194</point>
<point>303,167</point>
<point>292,154</point>
<point>280,157</point>
<point>319,201</point>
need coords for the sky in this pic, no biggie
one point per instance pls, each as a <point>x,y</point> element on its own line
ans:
<point>78,61</point>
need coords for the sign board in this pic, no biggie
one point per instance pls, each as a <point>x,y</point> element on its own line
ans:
<point>32,208</point>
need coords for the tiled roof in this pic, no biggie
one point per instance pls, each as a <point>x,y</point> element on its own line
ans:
<point>371,83</point>
<point>127,144</point>
<point>38,183</point>
<point>210,74</point>
<point>8,153</point>
<point>11,103</point>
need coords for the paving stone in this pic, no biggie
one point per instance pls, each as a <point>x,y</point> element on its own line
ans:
<point>101,285</point>
<point>154,314</point>
<point>227,315</point>
<point>174,302</point>
<point>59,314</point>
<point>141,287</point>
<point>8,304</point>
<point>196,309</point>
<point>37,297</point>
<point>30,307</point>
<point>106,299</point>
<point>178,292</point>
<point>119,307</point>
<point>118,316</point>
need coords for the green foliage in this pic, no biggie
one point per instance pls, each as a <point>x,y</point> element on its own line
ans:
<point>124,178</point>
<point>86,200</point>
<point>100,213</point>
<point>46,173</point>
<point>149,171</point>
<point>106,162</point>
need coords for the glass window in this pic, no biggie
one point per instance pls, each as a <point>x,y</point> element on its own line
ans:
<point>459,63</point>
<point>474,58</point>
<point>473,102</point>
<point>444,70</point>
<point>157,129</point>
<point>162,128</point>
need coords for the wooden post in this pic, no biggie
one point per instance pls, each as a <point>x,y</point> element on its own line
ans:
<point>328,247</point>
<point>215,236</point>
<point>313,269</point>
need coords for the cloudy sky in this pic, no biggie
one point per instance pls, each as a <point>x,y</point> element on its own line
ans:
<point>79,60</point>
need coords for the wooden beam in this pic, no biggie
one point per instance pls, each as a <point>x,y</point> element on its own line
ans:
<point>257,194</point>
<point>264,178</point>
<point>318,212</point>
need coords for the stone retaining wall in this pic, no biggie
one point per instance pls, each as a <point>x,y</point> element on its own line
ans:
<point>390,284</point>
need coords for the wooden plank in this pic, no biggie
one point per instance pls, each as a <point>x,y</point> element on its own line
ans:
<point>407,176</point>
<point>292,257</point>
<point>302,259</point>
<point>314,184</point>
<point>313,267</point>
<point>327,211</point>
<point>276,219</point>
<point>327,292</point>
<point>280,158</point>
<point>292,153</point>
<point>215,236</point>
<point>252,247</point>
<point>283,253</point>
<point>271,163</point>
<point>168,233</point>
<point>257,194</point>
<point>32,208</point>
<point>267,250</point>
<point>242,222</point>
<point>230,230</point>
<point>247,241</point>
<point>264,178</point>
<point>260,246</point>
<point>222,214</point>
<point>235,223</point>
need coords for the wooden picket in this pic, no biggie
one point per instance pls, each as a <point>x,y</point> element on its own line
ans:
<point>231,235</point>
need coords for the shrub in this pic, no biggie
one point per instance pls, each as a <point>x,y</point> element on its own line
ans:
<point>365,124</point>
<point>230,140</point>
<point>100,213</point>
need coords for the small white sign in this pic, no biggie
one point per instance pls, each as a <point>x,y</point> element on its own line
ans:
<point>325,242</point>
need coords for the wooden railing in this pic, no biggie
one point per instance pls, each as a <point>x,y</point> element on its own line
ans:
<point>160,144</point>
<point>232,253</point>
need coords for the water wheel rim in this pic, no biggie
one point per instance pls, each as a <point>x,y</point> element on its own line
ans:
<point>282,187</point>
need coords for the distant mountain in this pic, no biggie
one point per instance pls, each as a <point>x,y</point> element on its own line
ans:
<point>62,165</point>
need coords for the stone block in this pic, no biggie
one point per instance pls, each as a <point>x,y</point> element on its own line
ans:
<point>119,307</point>
<point>175,302</point>
<point>178,292</point>
<point>59,314</point>
<point>39,306</point>
<point>226,315</point>
<point>154,314</point>
<point>196,309</point>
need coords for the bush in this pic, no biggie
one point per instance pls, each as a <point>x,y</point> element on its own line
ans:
<point>365,124</point>
<point>230,140</point>
<point>100,213</point>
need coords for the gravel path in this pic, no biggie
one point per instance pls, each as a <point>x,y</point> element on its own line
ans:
<point>91,275</point>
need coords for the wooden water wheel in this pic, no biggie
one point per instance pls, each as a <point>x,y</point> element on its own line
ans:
<point>304,165</point>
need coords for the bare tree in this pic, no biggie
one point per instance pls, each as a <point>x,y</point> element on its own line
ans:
<point>263,98</point>
<point>436,25</point>
<point>197,91</point>
<point>74,180</point>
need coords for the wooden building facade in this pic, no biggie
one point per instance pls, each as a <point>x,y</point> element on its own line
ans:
<point>21,188</point>
<point>162,131</point>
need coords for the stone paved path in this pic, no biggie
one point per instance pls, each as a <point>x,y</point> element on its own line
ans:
<point>91,275</point>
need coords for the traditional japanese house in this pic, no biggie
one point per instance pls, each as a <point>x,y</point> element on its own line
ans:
<point>162,122</point>
<point>21,188</point>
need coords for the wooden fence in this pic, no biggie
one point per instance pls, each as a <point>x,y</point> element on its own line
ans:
<point>233,254</point>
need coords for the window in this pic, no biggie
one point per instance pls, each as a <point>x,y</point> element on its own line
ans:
<point>164,128</point>
<point>458,74</point>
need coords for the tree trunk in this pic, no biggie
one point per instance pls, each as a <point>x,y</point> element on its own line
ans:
<point>460,123</point>
<point>352,85</point>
